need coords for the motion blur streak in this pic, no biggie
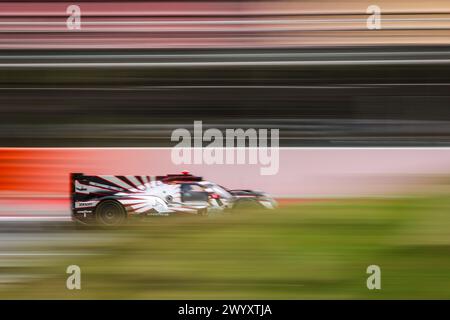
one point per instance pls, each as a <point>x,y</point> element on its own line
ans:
<point>302,251</point>
<point>316,97</point>
<point>136,71</point>
<point>230,24</point>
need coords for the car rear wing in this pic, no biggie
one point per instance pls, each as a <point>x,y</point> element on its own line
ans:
<point>74,177</point>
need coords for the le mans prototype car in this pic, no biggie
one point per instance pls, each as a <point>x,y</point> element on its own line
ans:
<point>111,200</point>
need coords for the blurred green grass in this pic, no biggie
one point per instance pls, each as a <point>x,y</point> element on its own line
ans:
<point>304,251</point>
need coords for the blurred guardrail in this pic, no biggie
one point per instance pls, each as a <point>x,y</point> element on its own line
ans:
<point>386,96</point>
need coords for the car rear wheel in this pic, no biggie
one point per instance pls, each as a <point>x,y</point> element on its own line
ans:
<point>110,213</point>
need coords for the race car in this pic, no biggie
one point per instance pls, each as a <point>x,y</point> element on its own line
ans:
<point>110,200</point>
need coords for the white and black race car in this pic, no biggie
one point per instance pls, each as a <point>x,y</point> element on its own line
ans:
<point>110,200</point>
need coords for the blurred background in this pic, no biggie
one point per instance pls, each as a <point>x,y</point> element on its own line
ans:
<point>364,126</point>
<point>137,70</point>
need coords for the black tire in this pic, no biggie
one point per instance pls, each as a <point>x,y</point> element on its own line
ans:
<point>110,213</point>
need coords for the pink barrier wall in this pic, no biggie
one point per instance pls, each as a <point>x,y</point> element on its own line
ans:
<point>306,172</point>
